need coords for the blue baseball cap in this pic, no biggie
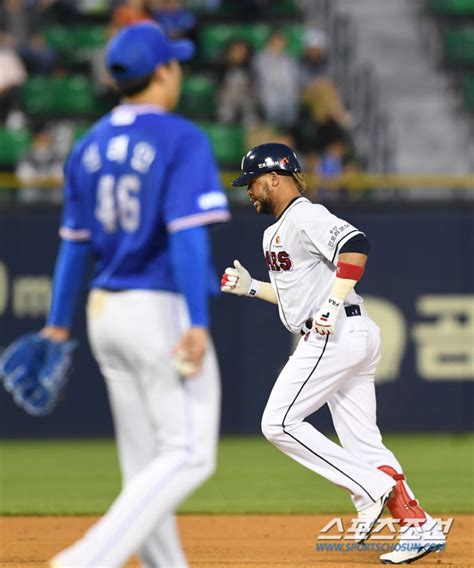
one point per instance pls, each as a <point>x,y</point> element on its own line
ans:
<point>136,50</point>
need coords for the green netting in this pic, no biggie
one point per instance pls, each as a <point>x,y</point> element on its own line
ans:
<point>459,46</point>
<point>227,142</point>
<point>13,145</point>
<point>451,7</point>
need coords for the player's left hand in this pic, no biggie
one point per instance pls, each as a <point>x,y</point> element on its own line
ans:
<point>324,320</point>
<point>34,369</point>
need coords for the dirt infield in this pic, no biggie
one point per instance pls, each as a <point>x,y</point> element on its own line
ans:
<point>220,541</point>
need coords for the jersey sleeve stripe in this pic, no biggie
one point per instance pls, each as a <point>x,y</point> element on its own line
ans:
<point>198,219</point>
<point>344,240</point>
<point>68,234</point>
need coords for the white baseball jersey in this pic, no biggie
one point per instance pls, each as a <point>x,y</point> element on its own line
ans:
<point>301,252</point>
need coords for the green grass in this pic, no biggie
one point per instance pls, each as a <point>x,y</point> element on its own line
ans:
<point>81,477</point>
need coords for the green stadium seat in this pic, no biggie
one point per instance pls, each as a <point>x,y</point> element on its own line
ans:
<point>90,36</point>
<point>288,8</point>
<point>13,145</point>
<point>256,35</point>
<point>228,10</point>
<point>227,141</point>
<point>59,38</point>
<point>213,39</point>
<point>70,95</point>
<point>459,46</point>
<point>294,35</point>
<point>38,96</point>
<point>468,91</point>
<point>75,95</point>
<point>198,96</point>
<point>80,130</point>
<point>76,44</point>
<point>451,7</point>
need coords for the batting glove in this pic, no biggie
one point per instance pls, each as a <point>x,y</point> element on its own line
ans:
<point>324,320</point>
<point>238,281</point>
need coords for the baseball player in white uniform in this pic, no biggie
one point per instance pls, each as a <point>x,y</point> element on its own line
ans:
<point>314,260</point>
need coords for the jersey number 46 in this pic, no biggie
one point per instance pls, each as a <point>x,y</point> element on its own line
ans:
<point>118,203</point>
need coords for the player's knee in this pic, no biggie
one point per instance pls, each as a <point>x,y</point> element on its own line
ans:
<point>203,464</point>
<point>271,429</point>
<point>209,468</point>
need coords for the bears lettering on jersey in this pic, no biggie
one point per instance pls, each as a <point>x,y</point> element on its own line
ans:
<point>277,262</point>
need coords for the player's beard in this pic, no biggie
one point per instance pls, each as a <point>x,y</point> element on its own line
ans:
<point>266,205</point>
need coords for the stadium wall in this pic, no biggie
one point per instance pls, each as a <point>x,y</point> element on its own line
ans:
<point>419,287</point>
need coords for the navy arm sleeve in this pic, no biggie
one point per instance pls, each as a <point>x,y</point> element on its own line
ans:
<point>189,253</point>
<point>359,243</point>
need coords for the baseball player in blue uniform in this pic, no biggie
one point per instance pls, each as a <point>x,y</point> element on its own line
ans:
<point>314,260</point>
<point>140,190</point>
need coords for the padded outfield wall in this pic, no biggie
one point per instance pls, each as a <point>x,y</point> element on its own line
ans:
<point>418,286</point>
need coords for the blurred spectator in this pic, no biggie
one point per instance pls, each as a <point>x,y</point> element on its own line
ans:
<point>322,116</point>
<point>336,160</point>
<point>277,77</point>
<point>39,165</point>
<point>131,12</point>
<point>12,76</point>
<point>236,97</point>
<point>62,134</point>
<point>314,62</point>
<point>62,11</point>
<point>176,20</point>
<point>21,25</point>
<point>124,13</point>
<point>38,57</point>
<point>104,86</point>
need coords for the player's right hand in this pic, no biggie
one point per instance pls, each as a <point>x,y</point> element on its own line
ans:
<point>324,320</point>
<point>236,280</point>
<point>190,350</point>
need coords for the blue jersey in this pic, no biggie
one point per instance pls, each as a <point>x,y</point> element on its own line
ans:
<point>139,174</point>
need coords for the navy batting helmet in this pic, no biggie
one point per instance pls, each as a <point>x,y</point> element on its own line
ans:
<point>266,158</point>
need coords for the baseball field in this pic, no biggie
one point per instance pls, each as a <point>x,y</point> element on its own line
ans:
<point>259,509</point>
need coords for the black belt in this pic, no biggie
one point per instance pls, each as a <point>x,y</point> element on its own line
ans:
<point>351,311</point>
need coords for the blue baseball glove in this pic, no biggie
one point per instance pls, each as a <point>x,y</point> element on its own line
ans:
<point>35,371</point>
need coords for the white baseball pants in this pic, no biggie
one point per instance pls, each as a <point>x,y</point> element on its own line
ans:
<point>166,428</point>
<point>337,370</point>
